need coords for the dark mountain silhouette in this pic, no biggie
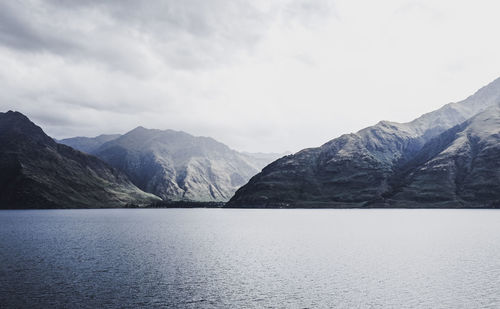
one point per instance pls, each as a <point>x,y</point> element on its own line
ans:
<point>37,172</point>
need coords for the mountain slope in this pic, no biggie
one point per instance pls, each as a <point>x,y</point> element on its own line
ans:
<point>36,172</point>
<point>355,169</point>
<point>88,144</point>
<point>178,166</point>
<point>461,167</point>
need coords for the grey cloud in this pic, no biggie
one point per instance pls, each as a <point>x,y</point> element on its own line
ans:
<point>125,35</point>
<point>19,31</point>
<point>52,119</point>
<point>183,34</point>
<point>87,67</point>
<point>197,17</point>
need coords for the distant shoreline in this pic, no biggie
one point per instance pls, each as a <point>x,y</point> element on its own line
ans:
<point>221,205</point>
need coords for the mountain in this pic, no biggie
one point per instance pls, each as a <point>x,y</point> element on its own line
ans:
<point>37,172</point>
<point>178,166</point>
<point>88,144</point>
<point>258,160</point>
<point>357,169</point>
<point>459,168</point>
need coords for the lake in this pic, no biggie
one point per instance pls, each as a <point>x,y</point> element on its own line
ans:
<point>212,258</point>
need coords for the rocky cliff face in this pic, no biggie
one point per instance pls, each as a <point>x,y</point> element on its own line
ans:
<point>36,172</point>
<point>178,166</point>
<point>360,169</point>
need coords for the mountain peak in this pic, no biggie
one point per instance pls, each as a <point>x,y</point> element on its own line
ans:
<point>13,112</point>
<point>139,128</point>
<point>15,127</point>
<point>15,115</point>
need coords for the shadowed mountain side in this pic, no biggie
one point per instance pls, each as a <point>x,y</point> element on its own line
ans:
<point>461,167</point>
<point>36,172</point>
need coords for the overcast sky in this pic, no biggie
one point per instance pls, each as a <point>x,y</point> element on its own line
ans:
<point>257,75</point>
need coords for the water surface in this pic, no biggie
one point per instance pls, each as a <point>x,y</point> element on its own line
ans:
<point>204,258</point>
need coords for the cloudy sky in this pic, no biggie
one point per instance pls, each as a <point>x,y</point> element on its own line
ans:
<point>257,75</point>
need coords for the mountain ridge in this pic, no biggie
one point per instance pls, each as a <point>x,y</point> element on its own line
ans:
<point>355,169</point>
<point>88,144</point>
<point>178,166</point>
<point>461,164</point>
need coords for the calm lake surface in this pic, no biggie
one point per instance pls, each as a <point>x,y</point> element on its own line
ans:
<point>204,258</point>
